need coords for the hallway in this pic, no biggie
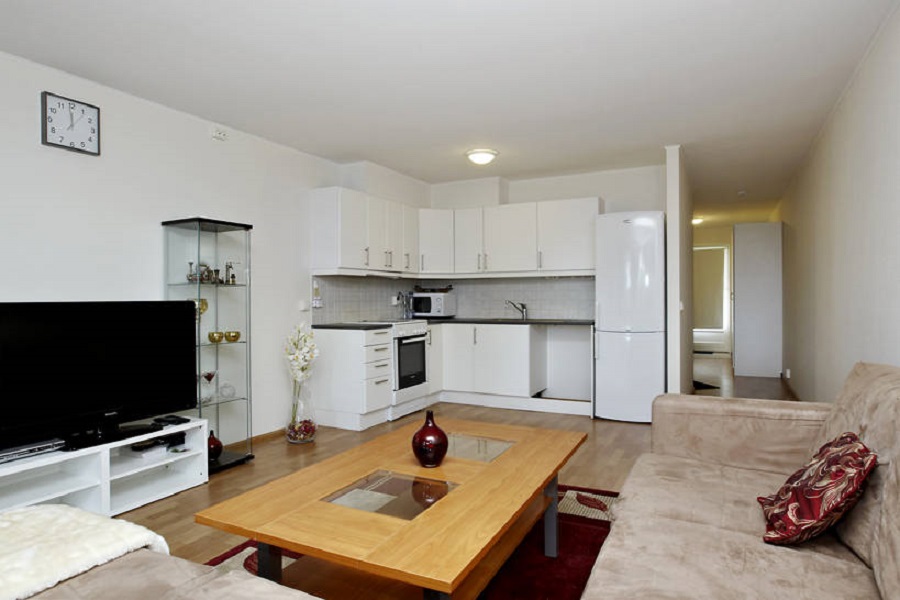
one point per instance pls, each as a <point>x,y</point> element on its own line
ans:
<point>716,370</point>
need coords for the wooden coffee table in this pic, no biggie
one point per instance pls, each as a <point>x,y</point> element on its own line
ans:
<point>366,507</point>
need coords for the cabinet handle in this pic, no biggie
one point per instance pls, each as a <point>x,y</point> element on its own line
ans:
<point>391,257</point>
<point>380,381</point>
<point>421,262</point>
<point>478,268</point>
<point>367,255</point>
<point>474,336</point>
<point>406,255</point>
<point>381,366</point>
<point>380,333</point>
<point>540,260</point>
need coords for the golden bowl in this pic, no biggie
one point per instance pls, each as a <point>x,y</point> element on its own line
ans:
<point>232,336</point>
<point>215,336</point>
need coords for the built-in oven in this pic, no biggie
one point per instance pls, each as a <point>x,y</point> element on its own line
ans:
<point>410,372</point>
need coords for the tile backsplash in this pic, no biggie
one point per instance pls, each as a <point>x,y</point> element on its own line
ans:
<point>347,299</point>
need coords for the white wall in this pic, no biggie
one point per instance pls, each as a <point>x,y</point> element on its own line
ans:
<point>383,182</point>
<point>639,188</point>
<point>842,248</point>
<point>679,275</point>
<point>470,193</point>
<point>77,227</point>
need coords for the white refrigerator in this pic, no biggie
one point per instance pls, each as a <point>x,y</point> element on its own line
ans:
<point>630,319</point>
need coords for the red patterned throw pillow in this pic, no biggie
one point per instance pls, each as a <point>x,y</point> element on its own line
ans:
<point>817,495</point>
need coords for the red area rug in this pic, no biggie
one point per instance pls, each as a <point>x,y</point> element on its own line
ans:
<point>584,523</point>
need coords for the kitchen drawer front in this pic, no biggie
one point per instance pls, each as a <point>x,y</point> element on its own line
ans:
<point>378,336</point>
<point>378,393</point>
<point>381,352</point>
<point>379,368</point>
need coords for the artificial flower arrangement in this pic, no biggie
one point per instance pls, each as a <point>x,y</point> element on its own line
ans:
<point>300,350</point>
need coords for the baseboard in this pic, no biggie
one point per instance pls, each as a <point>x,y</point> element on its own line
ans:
<point>548,405</point>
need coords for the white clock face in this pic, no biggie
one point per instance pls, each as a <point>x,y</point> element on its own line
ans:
<point>70,124</point>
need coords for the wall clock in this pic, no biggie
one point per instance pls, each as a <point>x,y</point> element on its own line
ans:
<point>70,124</point>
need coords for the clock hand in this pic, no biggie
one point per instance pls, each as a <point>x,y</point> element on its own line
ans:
<point>76,120</point>
<point>71,117</point>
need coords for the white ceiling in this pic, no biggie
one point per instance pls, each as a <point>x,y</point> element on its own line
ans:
<point>558,87</point>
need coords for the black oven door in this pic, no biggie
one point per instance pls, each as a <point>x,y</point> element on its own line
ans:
<point>410,360</point>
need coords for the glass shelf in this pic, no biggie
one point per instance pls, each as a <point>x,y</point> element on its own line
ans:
<point>394,494</point>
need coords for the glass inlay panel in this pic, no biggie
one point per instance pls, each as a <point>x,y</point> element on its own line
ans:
<point>476,448</point>
<point>389,493</point>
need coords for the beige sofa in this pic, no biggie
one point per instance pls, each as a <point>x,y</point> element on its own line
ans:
<point>689,526</point>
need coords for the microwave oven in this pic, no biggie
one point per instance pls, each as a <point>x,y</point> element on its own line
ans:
<point>434,304</point>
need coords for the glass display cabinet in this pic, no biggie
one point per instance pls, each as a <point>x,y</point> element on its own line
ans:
<point>208,261</point>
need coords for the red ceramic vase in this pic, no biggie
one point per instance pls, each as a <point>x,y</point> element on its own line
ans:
<point>429,443</point>
<point>214,446</point>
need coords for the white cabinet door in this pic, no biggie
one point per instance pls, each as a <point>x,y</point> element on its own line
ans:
<point>340,231</point>
<point>376,227</point>
<point>468,236</point>
<point>434,358</point>
<point>510,237</point>
<point>409,256</point>
<point>459,357</point>
<point>393,235</point>
<point>435,240</point>
<point>565,230</point>
<point>502,359</point>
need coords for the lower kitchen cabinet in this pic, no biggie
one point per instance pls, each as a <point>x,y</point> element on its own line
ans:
<point>434,358</point>
<point>507,360</point>
<point>351,383</point>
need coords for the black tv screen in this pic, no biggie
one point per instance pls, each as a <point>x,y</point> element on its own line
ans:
<point>78,369</point>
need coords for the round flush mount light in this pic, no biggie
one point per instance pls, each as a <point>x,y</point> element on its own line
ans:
<point>481,156</point>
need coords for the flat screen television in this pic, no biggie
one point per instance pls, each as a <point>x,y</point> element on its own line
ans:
<point>79,370</point>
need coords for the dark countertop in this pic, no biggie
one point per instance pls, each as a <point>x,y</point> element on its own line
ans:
<point>353,326</point>
<point>481,321</point>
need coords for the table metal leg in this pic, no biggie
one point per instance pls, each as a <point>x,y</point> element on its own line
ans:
<point>551,514</point>
<point>268,563</point>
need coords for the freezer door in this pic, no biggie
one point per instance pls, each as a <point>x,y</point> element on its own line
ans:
<point>630,371</point>
<point>630,272</point>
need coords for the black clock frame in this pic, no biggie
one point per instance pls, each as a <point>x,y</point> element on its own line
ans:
<point>44,141</point>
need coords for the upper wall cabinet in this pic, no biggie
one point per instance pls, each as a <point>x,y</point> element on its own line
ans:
<point>565,234</point>
<point>510,238</point>
<point>340,230</point>
<point>468,240</point>
<point>410,239</point>
<point>352,230</point>
<point>435,240</point>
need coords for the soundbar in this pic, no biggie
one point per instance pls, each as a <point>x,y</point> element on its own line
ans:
<point>18,452</point>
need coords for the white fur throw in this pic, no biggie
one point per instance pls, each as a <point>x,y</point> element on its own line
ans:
<point>44,544</point>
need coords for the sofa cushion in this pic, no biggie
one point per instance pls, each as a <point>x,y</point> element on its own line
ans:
<point>818,494</point>
<point>696,491</point>
<point>886,547</point>
<point>868,404</point>
<point>656,557</point>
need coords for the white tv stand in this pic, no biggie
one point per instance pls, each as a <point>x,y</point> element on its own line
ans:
<point>109,479</point>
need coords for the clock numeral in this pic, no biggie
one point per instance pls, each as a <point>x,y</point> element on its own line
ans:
<point>49,119</point>
<point>61,104</point>
<point>93,130</point>
<point>82,144</point>
<point>53,130</point>
<point>62,139</point>
<point>72,144</point>
<point>53,110</point>
<point>71,105</point>
<point>90,139</point>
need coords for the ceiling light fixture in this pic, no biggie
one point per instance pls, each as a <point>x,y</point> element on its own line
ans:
<point>696,221</point>
<point>481,156</point>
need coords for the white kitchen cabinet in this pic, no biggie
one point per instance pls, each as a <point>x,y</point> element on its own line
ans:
<point>434,357</point>
<point>340,232</point>
<point>565,234</point>
<point>468,240</point>
<point>384,234</point>
<point>508,360</point>
<point>409,258</point>
<point>510,238</point>
<point>435,240</point>
<point>352,381</point>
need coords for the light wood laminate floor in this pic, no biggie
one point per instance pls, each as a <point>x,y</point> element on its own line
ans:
<point>603,461</point>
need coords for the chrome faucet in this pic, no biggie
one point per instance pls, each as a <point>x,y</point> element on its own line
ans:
<point>519,306</point>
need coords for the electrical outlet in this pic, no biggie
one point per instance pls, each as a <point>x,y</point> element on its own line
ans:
<point>220,133</point>
<point>395,301</point>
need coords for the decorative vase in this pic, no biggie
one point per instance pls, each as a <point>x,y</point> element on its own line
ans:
<point>214,446</point>
<point>302,427</point>
<point>430,443</point>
